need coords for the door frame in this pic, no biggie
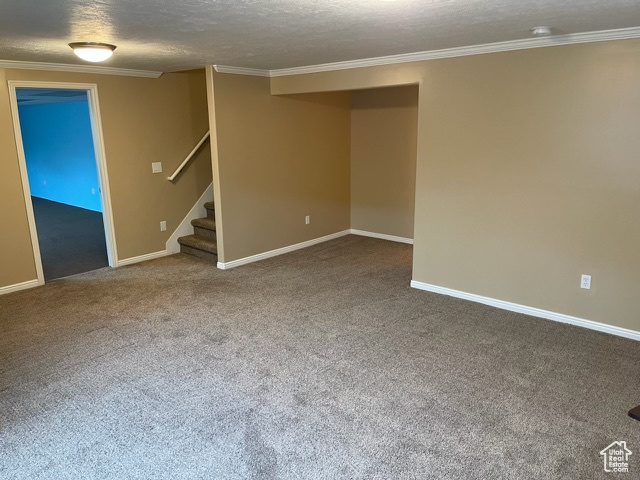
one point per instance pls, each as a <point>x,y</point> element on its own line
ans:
<point>101,164</point>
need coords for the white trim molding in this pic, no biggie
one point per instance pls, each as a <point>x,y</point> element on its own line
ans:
<point>20,286</point>
<point>254,72</point>
<point>280,251</point>
<point>142,258</point>
<point>382,236</point>
<point>534,312</point>
<point>520,44</point>
<point>26,191</point>
<point>102,169</point>
<point>185,227</point>
<point>63,67</point>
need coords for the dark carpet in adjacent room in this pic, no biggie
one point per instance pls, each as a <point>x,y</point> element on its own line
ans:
<point>318,364</point>
<point>71,239</point>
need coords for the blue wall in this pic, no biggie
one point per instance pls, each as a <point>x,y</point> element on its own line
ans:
<point>58,147</point>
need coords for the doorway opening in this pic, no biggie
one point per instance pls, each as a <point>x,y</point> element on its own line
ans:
<point>62,165</point>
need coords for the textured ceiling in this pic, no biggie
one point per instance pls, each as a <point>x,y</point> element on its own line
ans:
<point>171,35</point>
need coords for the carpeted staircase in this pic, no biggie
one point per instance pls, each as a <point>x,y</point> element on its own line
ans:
<point>203,241</point>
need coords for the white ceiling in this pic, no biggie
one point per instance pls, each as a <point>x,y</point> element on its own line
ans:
<point>171,35</point>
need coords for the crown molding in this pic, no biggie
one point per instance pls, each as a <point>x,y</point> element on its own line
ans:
<point>255,72</point>
<point>62,67</point>
<point>522,44</point>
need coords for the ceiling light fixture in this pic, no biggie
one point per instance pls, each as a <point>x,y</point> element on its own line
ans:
<point>92,51</point>
<point>542,31</point>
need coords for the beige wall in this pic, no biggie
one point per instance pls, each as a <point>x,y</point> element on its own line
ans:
<point>279,159</point>
<point>384,126</point>
<point>16,255</point>
<point>144,120</point>
<point>527,174</point>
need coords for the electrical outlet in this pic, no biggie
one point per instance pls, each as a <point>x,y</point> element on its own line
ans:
<point>156,167</point>
<point>163,226</point>
<point>585,282</point>
<point>307,220</point>
<point>93,191</point>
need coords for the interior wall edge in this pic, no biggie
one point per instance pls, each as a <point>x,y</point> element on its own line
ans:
<point>143,258</point>
<point>527,310</point>
<point>382,236</point>
<point>20,286</point>
<point>280,251</point>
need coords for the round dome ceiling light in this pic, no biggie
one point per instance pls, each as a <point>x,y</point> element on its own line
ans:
<point>542,31</point>
<point>92,51</point>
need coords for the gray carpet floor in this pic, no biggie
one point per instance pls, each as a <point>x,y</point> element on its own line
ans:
<point>319,364</point>
<point>71,239</point>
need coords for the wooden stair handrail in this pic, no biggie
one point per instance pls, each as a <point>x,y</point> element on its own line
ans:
<point>189,157</point>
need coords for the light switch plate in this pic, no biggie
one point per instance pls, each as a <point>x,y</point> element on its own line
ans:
<point>156,167</point>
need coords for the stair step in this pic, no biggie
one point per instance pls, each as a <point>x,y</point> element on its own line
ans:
<point>207,223</point>
<point>199,243</point>
<point>212,257</point>
<point>205,233</point>
<point>204,227</point>
<point>199,246</point>
<point>211,212</point>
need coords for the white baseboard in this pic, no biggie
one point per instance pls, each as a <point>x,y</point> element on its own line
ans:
<point>19,286</point>
<point>535,312</point>
<point>382,236</point>
<point>280,251</point>
<point>185,227</point>
<point>142,258</point>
